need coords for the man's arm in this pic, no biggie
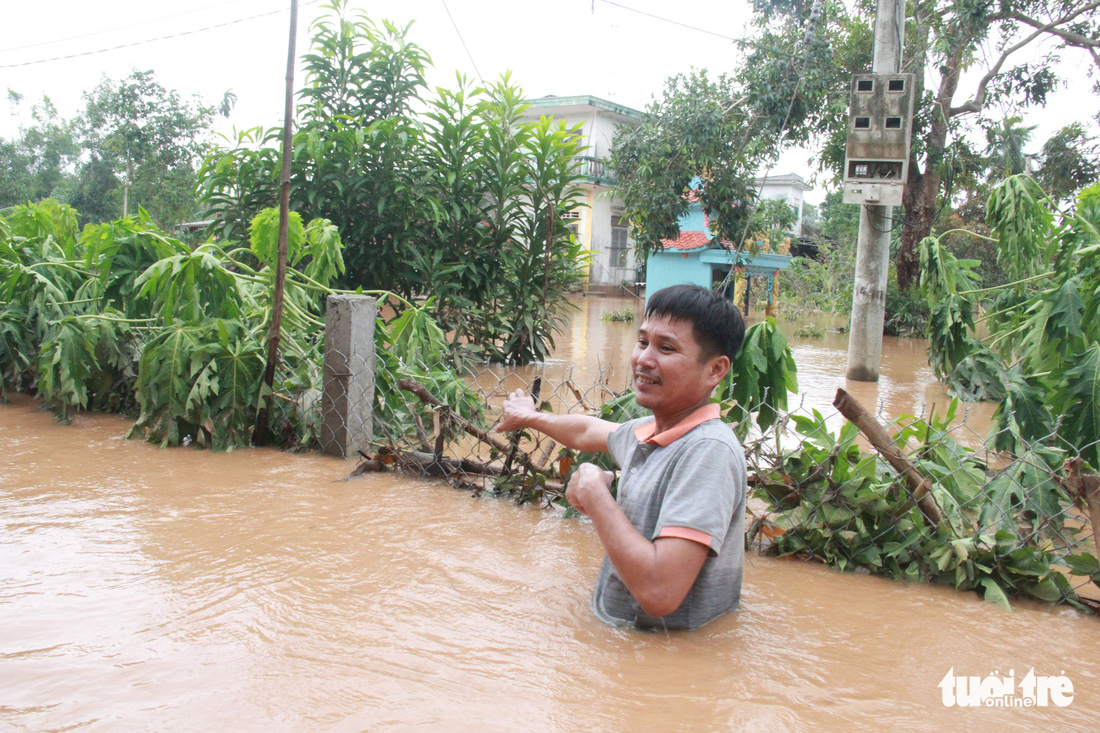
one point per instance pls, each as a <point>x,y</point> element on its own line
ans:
<point>658,574</point>
<point>579,432</point>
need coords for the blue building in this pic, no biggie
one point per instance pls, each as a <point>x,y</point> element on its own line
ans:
<point>696,258</point>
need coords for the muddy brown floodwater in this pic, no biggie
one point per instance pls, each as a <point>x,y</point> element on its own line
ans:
<point>144,589</point>
<point>592,347</point>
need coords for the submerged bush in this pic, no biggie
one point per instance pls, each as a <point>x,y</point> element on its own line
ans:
<point>1004,532</point>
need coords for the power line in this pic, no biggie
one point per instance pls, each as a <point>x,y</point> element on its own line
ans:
<point>118,28</point>
<point>462,41</point>
<point>153,40</point>
<point>667,20</point>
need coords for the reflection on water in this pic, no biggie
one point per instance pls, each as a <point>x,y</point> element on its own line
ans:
<point>182,590</point>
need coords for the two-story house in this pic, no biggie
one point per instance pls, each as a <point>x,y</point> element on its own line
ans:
<point>597,218</point>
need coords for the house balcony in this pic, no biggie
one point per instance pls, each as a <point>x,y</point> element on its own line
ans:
<point>594,170</point>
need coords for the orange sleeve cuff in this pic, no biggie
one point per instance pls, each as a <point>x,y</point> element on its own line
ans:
<point>686,534</point>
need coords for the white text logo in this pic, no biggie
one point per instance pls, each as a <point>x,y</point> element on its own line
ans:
<point>1005,692</point>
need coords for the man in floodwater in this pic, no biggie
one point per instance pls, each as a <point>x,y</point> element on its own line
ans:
<point>674,536</point>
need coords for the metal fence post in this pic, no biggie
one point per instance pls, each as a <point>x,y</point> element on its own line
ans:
<point>347,418</point>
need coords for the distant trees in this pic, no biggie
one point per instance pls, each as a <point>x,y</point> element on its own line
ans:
<point>135,143</point>
<point>1069,161</point>
<point>38,162</point>
<point>151,139</point>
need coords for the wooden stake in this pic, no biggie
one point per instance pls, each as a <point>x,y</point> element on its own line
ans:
<point>1087,488</point>
<point>920,487</point>
<point>260,436</point>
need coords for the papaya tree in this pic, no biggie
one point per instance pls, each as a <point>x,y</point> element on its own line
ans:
<point>1039,351</point>
<point>125,318</point>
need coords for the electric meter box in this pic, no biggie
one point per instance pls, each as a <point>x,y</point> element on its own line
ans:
<point>880,122</point>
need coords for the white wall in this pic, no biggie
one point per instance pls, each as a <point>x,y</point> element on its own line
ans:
<point>599,128</point>
<point>789,187</point>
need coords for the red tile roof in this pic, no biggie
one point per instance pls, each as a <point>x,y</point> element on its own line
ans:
<point>692,240</point>
<point>687,240</point>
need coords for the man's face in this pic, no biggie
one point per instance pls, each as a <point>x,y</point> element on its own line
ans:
<point>668,374</point>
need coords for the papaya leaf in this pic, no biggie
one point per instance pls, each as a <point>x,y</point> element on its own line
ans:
<point>979,377</point>
<point>1019,213</point>
<point>1022,418</point>
<point>1078,399</point>
<point>264,236</point>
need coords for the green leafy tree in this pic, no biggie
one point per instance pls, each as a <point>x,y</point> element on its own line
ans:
<point>1005,146</point>
<point>1069,161</point>
<point>237,182</point>
<point>143,142</point>
<point>463,201</point>
<point>39,162</point>
<point>355,152</point>
<point>698,143</point>
<point>544,257</point>
<point>966,56</point>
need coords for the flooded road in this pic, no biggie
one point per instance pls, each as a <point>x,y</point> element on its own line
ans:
<point>144,589</point>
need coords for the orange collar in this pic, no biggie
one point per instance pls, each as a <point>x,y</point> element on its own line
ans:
<point>644,433</point>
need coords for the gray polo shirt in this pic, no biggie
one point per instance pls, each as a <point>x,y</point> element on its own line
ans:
<point>692,487</point>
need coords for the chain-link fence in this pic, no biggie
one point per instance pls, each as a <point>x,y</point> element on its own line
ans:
<point>930,497</point>
<point>440,422</point>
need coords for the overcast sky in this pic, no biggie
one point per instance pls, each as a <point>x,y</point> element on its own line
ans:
<point>615,50</point>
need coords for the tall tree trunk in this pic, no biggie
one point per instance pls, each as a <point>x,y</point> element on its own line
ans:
<point>920,204</point>
<point>921,199</point>
<point>126,188</point>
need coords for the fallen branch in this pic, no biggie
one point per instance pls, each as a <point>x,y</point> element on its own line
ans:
<point>427,397</point>
<point>434,465</point>
<point>368,465</point>
<point>920,487</point>
<point>425,463</point>
<point>544,454</point>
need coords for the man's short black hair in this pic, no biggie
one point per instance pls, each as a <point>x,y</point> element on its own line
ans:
<point>716,322</point>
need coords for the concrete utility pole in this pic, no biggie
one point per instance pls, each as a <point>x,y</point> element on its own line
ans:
<point>873,247</point>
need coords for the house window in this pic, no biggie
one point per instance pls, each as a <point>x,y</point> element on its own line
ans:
<point>573,221</point>
<point>619,245</point>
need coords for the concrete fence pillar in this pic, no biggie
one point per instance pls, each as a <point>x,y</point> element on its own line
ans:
<point>347,417</point>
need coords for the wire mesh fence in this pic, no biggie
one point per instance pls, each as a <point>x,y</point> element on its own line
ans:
<point>949,505</point>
